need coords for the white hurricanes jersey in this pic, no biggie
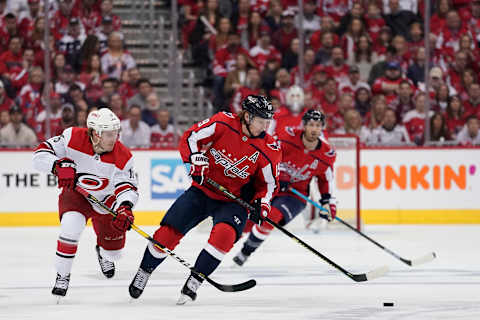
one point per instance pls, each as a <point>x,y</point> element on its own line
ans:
<point>109,177</point>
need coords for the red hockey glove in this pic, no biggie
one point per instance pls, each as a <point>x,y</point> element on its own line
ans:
<point>65,170</point>
<point>198,167</point>
<point>124,219</point>
<point>260,212</point>
<point>330,206</point>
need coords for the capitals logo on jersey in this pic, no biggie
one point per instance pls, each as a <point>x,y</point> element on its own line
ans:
<point>232,167</point>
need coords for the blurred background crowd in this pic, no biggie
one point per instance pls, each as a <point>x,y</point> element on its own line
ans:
<point>361,62</point>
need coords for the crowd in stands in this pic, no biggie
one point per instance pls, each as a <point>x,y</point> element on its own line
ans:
<point>90,68</point>
<point>364,67</point>
<point>364,63</point>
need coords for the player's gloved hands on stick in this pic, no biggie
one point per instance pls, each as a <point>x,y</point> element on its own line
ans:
<point>198,167</point>
<point>259,213</point>
<point>65,169</point>
<point>331,207</point>
<point>124,218</point>
<point>284,185</point>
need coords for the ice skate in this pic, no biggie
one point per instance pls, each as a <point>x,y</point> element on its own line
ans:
<point>189,290</point>
<point>139,283</point>
<point>108,267</point>
<point>239,259</point>
<point>61,286</point>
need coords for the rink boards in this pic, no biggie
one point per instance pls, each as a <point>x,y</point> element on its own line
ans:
<point>398,186</point>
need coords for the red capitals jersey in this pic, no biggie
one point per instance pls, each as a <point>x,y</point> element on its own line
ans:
<point>234,158</point>
<point>300,165</point>
<point>109,177</point>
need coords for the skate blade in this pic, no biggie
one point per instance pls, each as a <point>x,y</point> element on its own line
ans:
<point>183,299</point>
<point>58,299</point>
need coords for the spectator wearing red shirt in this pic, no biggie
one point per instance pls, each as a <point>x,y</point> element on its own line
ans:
<point>415,39</point>
<point>27,18</point>
<point>5,102</point>
<point>117,105</point>
<point>217,41</point>
<point>328,99</point>
<point>61,18</point>
<point>163,134</point>
<point>7,30</point>
<point>106,9</point>
<point>448,40</point>
<point>92,78</point>
<point>282,84</point>
<point>388,85</point>
<point>90,16</point>
<point>454,72</point>
<point>309,60</point>
<point>11,60</point>
<point>454,116</point>
<point>414,120</point>
<point>403,102</point>
<point>374,21</point>
<point>338,68</point>
<point>439,18</point>
<point>54,118</point>
<point>251,35</point>
<point>335,9</point>
<point>471,16</point>
<point>323,49</point>
<point>128,88</point>
<point>252,87</point>
<point>30,95</point>
<point>472,105</point>
<point>336,121</point>
<point>282,38</point>
<point>264,51</point>
<point>224,62</point>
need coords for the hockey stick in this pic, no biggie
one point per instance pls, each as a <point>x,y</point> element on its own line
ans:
<point>222,287</point>
<point>424,259</point>
<point>355,277</point>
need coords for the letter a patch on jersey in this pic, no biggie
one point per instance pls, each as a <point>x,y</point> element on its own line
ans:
<point>254,157</point>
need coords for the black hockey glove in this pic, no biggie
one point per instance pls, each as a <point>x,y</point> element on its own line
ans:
<point>284,185</point>
<point>259,213</point>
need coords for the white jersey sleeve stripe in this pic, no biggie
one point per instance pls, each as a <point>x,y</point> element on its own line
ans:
<point>270,180</point>
<point>196,136</point>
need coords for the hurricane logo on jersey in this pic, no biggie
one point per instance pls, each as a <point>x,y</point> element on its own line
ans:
<point>91,182</point>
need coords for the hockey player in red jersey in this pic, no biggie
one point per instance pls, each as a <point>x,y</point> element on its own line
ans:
<point>305,154</point>
<point>236,152</point>
<point>95,160</point>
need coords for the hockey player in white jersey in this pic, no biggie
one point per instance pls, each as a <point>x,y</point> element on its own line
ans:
<point>94,159</point>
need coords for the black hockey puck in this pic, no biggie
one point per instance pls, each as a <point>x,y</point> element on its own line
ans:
<point>388,304</point>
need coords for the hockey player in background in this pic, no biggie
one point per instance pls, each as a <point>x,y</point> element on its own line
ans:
<point>305,154</point>
<point>235,151</point>
<point>94,159</point>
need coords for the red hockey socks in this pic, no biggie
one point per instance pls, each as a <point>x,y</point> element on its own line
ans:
<point>222,238</point>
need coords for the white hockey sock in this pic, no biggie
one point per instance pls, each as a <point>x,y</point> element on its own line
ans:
<point>71,228</point>
<point>111,255</point>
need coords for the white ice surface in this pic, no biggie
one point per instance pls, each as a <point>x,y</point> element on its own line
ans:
<point>292,282</point>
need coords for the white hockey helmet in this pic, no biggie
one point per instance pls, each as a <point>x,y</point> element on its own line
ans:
<point>103,120</point>
<point>295,98</point>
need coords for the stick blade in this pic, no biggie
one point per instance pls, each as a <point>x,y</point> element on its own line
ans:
<point>424,259</point>
<point>234,287</point>
<point>377,273</point>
